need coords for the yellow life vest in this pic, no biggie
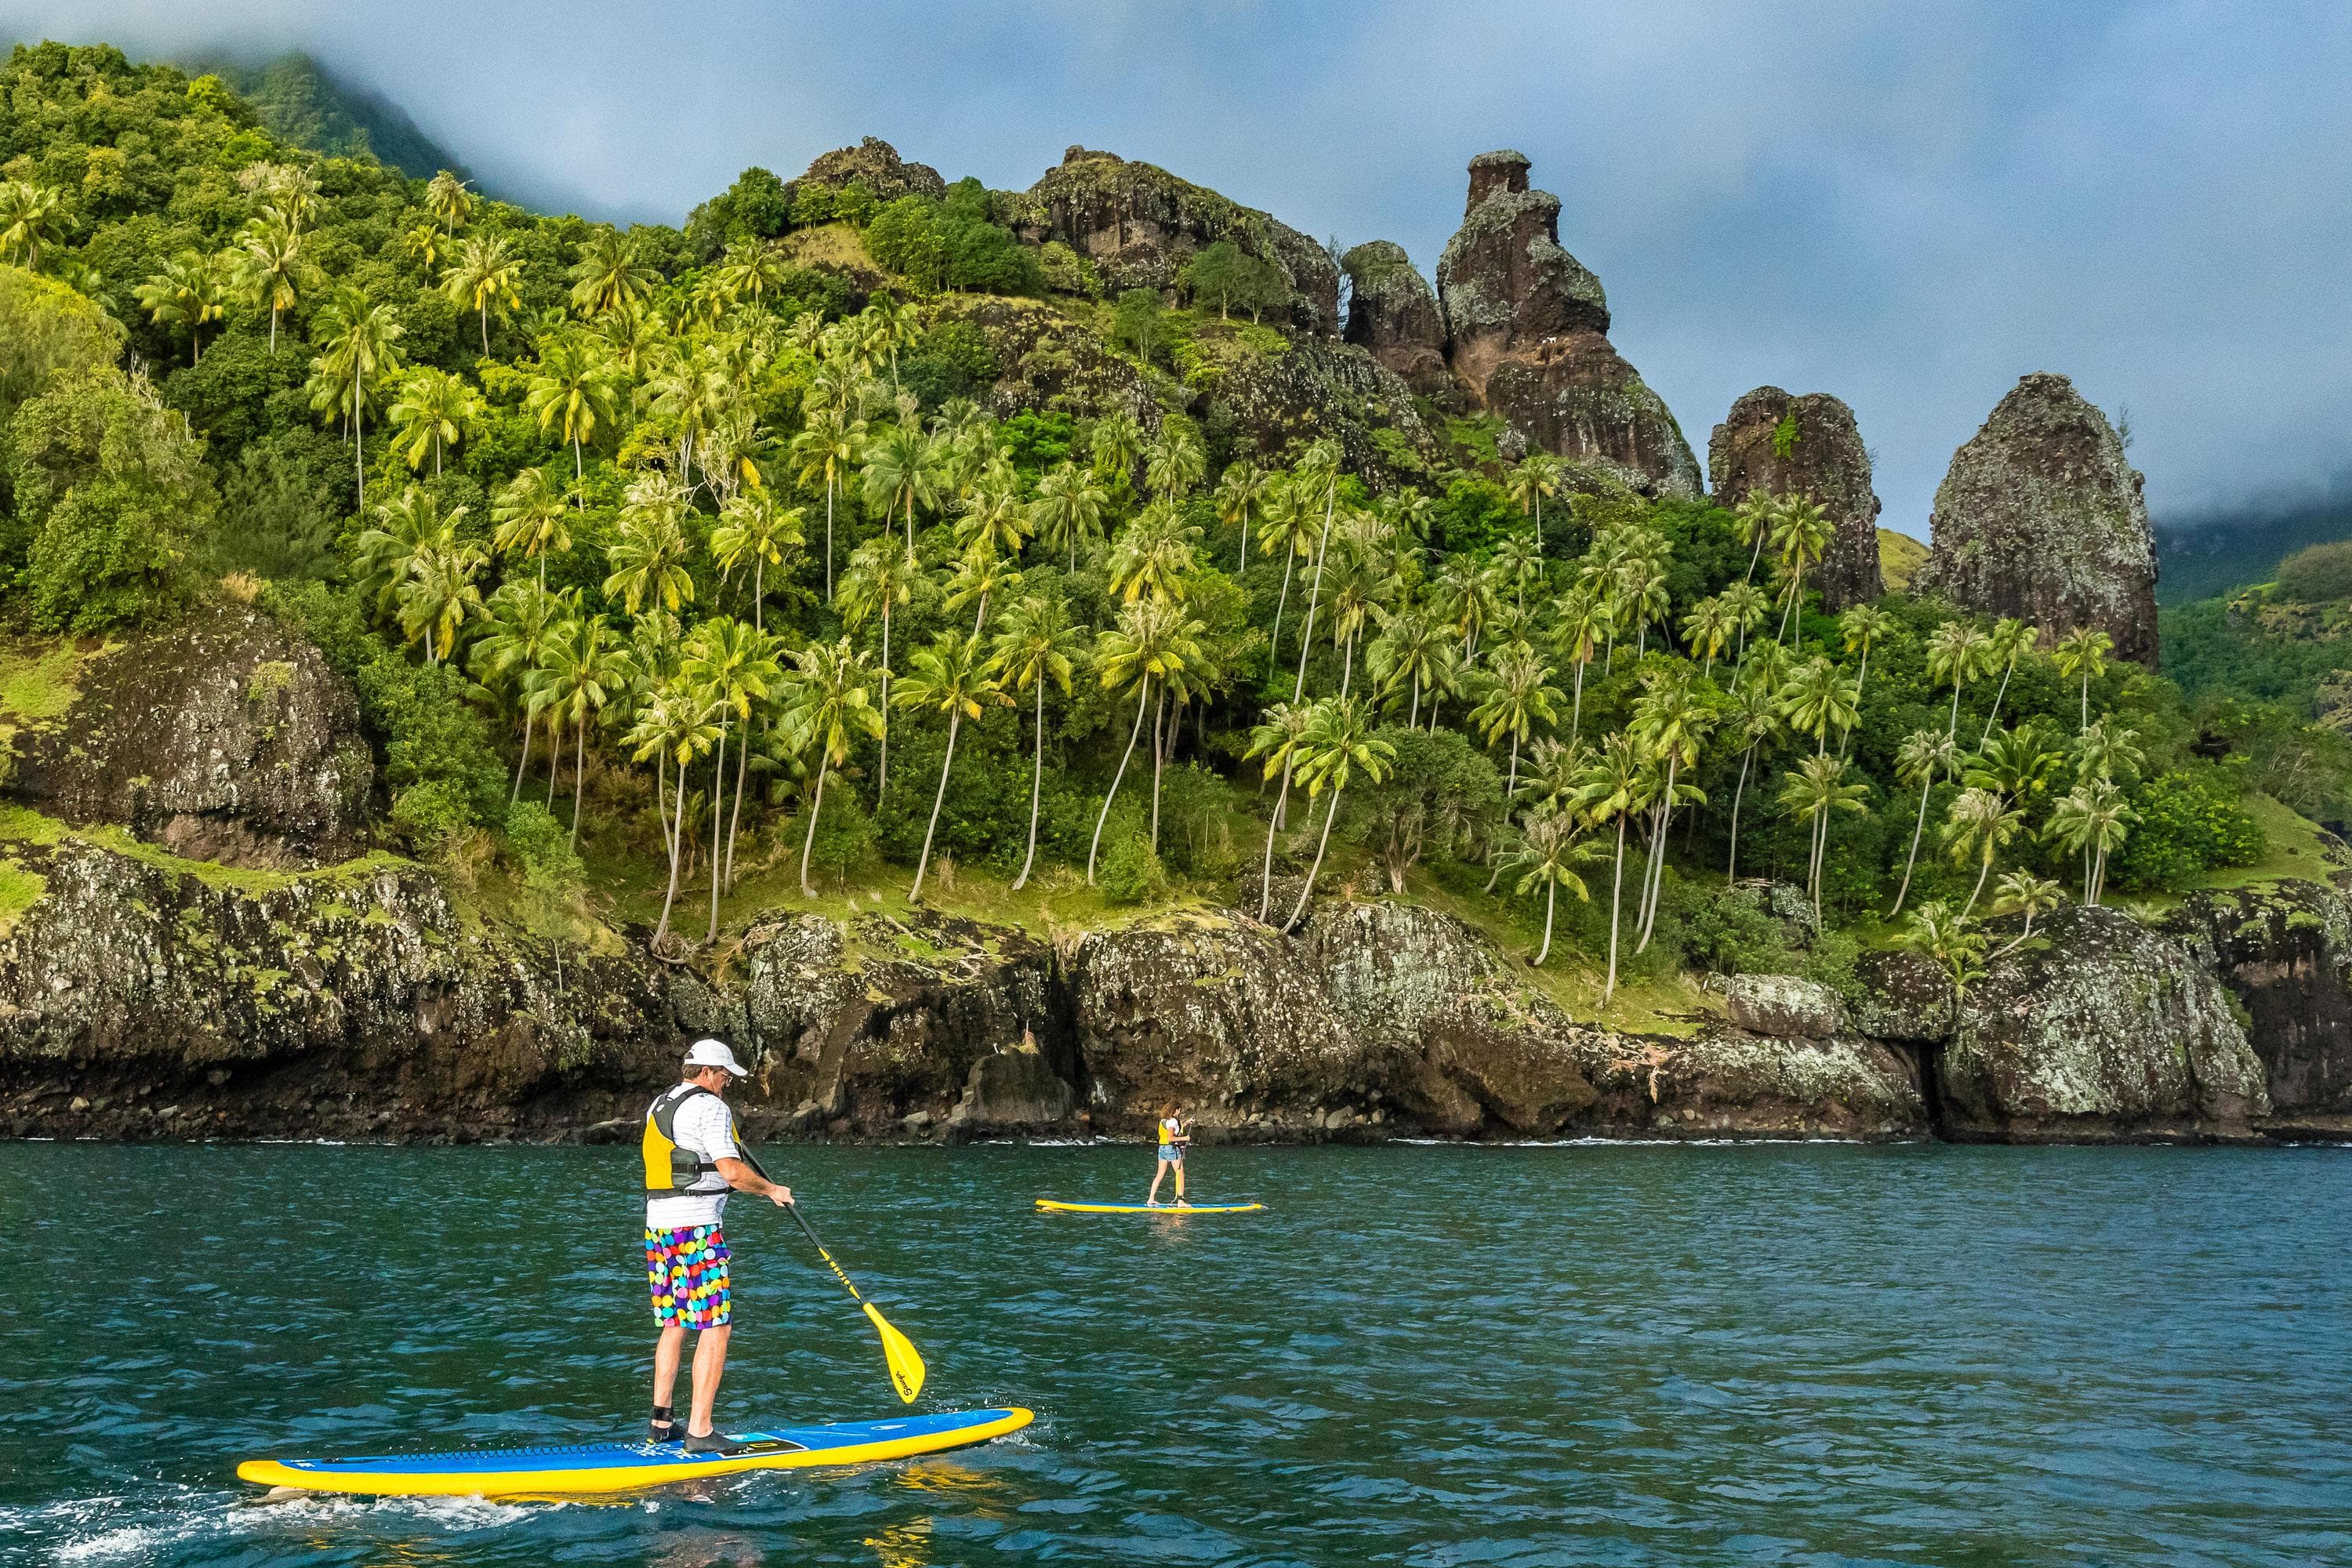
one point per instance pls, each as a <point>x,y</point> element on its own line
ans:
<point>669,1169</point>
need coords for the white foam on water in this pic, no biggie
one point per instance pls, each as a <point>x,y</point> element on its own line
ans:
<point>66,1527</point>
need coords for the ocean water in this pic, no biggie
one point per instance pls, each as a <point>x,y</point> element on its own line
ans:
<point>1582,1354</point>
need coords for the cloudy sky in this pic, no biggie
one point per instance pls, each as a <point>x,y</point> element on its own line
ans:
<point>1908,203</point>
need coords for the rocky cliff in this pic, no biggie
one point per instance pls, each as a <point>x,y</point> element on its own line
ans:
<point>875,164</point>
<point>1392,315</point>
<point>2041,516</point>
<point>1780,445</point>
<point>1526,329</point>
<point>1138,224</point>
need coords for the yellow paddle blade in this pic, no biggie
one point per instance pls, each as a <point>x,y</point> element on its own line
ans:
<point>905,1362</point>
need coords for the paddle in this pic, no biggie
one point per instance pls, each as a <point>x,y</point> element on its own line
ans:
<point>905,1362</point>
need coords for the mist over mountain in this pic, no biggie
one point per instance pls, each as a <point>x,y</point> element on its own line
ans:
<point>301,100</point>
<point>2212,553</point>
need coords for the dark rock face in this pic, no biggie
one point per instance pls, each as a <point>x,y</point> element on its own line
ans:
<point>1315,388</point>
<point>1392,315</point>
<point>1905,998</point>
<point>1783,1004</point>
<point>225,738</point>
<point>1045,361</point>
<point>1139,223</point>
<point>1526,337</point>
<point>1805,446</point>
<point>875,164</point>
<point>2285,952</point>
<point>2110,1030</point>
<point>2041,516</point>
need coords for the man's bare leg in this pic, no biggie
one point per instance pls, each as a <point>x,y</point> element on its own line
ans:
<point>666,1350</point>
<point>710,1367</point>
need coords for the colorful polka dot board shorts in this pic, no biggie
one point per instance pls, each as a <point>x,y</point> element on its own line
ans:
<point>686,1271</point>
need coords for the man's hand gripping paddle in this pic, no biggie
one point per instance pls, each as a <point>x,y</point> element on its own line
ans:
<point>905,1362</point>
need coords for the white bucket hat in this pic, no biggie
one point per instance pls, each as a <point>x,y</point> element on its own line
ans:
<point>715,1053</point>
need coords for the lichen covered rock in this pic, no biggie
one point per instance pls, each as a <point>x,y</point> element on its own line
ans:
<point>1779,445</point>
<point>1785,1005</point>
<point>2041,516</point>
<point>1905,996</point>
<point>223,738</point>
<point>1047,362</point>
<point>1527,337</point>
<point>1336,391</point>
<point>1392,315</point>
<point>1138,224</point>
<point>2101,1029</point>
<point>2284,950</point>
<point>875,164</point>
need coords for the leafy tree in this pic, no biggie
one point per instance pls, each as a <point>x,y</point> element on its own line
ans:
<point>611,274</point>
<point>486,275</point>
<point>1338,742</point>
<point>271,267</point>
<point>1035,644</point>
<point>1925,753</point>
<point>676,726</point>
<point>359,345</point>
<point>191,292</point>
<point>432,411</point>
<point>2083,651</point>
<point>1551,847</point>
<point>31,216</point>
<point>1817,788</point>
<point>950,677</point>
<point>48,333</point>
<point>826,704</point>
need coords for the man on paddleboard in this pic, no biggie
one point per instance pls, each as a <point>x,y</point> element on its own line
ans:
<point>692,1162</point>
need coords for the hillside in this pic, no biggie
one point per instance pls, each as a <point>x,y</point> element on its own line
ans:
<point>453,648</point>
<point>301,104</point>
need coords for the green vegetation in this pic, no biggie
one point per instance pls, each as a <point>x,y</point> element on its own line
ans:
<point>685,574</point>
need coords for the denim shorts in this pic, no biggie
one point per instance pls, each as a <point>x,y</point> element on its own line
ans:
<point>1172,1153</point>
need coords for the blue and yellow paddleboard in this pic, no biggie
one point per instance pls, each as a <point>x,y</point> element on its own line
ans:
<point>1052,1206</point>
<point>576,1467</point>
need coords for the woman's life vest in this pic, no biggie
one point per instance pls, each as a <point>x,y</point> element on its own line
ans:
<point>669,1169</point>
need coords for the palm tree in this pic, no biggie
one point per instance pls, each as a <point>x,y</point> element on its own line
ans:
<point>1577,626</point>
<point>1518,695</point>
<point>1287,516</point>
<point>1800,534</point>
<point>980,573</point>
<point>949,676</point>
<point>440,596</point>
<point>432,410</point>
<point>1152,644</point>
<point>2105,749</point>
<point>753,267</point>
<point>754,528</point>
<point>191,290</point>
<point>1276,738</point>
<point>1618,783</point>
<point>523,619</point>
<point>690,389</point>
<point>2010,641</point>
<point>1413,648</point>
<point>585,671</point>
<point>271,269</point>
<point>486,272</point>
<point>1754,719</point>
<point>649,550</point>
<point>446,197</point>
<point>1745,604</point>
<point>572,390</point>
<point>825,449</point>
<point>882,573</point>
<point>1818,698</point>
<point>30,217</point>
<point>1924,754</point>
<point>675,727</point>
<point>2093,820</point>
<point>1980,824</point>
<point>1517,563</point>
<point>902,469</point>
<point>1115,445</point>
<point>2022,892</point>
<point>2016,764</point>
<point>1862,628</point>
<point>611,275</point>
<point>1670,722</point>
<point>1956,653</point>
<point>1551,845</point>
<point>1339,740</point>
<point>1537,474</point>
<point>1946,937</point>
<point>1240,496</point>
<point>385,555</point>
<point>1817,788</point>
<point>1154,554</point>
<point>529,513</point>
<point>1707,629</point>
<point>1318,468</point>
<point>2083,651</point>
<point>994,515</point>
<point>1174,463</point>
<point>825,704</point>
<point>1035,644</point>
<point>1756,513</point>
<point>360,351</point>
<point>732,666</point>
<point>1068,509</point>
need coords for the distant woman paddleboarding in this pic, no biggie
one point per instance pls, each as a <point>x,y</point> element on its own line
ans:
<point>1172,1140</point>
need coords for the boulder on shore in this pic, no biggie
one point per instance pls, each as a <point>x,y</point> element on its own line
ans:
<point>2041,516</point>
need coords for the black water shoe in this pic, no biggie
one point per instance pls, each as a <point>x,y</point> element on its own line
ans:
<point>708,1443</point>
